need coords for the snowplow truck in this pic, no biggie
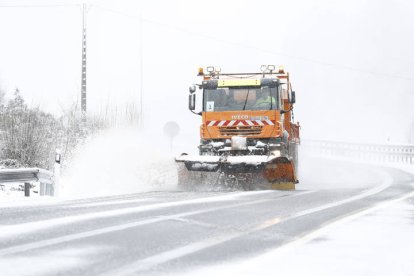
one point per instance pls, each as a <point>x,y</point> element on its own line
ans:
<point>249,139</point>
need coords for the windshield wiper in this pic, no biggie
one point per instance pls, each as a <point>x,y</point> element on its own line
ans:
<point>247,96</point>
<point>271,98</point>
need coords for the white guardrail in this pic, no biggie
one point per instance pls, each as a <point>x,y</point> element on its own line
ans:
<point>378,153</point>
<point>49,182</point>
<point>28,175</point>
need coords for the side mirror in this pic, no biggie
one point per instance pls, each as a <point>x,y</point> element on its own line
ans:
<point>191,101</point>
<point>292,97</point>
<point>192,89</point>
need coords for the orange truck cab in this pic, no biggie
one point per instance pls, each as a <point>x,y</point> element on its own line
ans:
<point>247,124</point>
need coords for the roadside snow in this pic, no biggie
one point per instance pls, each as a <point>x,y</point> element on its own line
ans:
<point>379,242</point>
<point>14,191</point>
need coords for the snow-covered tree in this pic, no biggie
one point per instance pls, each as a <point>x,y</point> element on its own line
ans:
<point>27,134</point>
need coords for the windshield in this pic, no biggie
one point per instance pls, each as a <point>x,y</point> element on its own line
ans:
<point>227,99</point>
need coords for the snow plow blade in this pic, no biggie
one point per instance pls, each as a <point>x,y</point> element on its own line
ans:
<point>268,172</point>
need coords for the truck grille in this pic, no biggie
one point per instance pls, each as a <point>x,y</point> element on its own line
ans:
<point>240,130</point>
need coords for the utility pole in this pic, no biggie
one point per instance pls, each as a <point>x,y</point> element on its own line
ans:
<point>141,68</point>
<point>83,82</point>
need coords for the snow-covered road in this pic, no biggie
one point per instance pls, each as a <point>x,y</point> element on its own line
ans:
<point>177,232</point>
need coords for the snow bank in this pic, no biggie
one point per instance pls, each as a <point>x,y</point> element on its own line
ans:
<point>120,161</point>
<point>376,243</point>
<point>10,192</point>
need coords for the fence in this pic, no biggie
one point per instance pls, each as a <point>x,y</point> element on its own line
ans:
<point>379,153</point>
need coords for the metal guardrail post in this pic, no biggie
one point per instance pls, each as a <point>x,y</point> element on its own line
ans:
<point>42,189</point>
<point>26,189</point>
<point>56,184</point>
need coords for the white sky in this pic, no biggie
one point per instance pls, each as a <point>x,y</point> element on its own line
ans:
<point>351,62</point>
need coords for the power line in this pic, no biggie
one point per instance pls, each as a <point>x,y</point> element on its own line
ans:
<point>310,60</point>
<point>238,44</point>
<point>40,6</point>
<point>266,51</point>
<point>138,17</point>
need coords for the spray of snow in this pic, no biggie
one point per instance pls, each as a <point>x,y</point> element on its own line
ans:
<point>120,161</point>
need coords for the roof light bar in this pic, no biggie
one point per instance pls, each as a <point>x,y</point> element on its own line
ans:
<point>271,68</point>
<point>210,69</point>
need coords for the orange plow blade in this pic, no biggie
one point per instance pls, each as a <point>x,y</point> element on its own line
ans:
<point>280,173</point>
<point>237,171</point>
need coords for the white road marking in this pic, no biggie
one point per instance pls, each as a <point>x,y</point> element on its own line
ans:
<point>86,234</point>
<point>319,232</point>
<point>29,201</point>
<point>166,256</point>
<point>387,182</point>
<point>19,229</point>
<point>77,236</point>
<point>114,202</point>
<point>169,255</point>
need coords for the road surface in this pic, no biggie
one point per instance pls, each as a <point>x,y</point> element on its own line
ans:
<point>168,233</point>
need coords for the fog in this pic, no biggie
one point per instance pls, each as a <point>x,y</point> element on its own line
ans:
<point>351,62</point>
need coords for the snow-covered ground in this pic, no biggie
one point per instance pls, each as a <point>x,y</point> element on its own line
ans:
<point>15,191</point>
<point>378,241</point>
